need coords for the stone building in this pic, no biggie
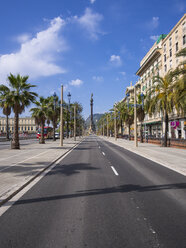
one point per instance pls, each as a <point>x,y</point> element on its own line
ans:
<point>26,124</point>
<point>158,61</point>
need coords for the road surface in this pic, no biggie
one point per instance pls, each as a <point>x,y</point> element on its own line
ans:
<point>100,196</point>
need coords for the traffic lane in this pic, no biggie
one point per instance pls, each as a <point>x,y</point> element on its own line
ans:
<point>77,204</point>
<point>159,193</point>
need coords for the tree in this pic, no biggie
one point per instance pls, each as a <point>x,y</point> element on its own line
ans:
<point>79,118</point>
<point>179,84</point>
<point>40,113</point>
<point>19,97</point>
<point>53,112</point>
<point>5,105</point>
<point>160,98</point>
<point>140,114</point>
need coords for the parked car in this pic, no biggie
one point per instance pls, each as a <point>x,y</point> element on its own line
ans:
<point>57,136</point>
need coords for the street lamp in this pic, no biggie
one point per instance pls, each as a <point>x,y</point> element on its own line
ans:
<point>54,97</point>
<point>61,117</point>
<point>68,113</point>
<point>135,112</point>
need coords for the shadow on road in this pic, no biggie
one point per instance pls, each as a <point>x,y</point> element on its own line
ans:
<point>120,189</point>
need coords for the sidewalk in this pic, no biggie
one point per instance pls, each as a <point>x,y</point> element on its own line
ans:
<point>172,158</point>
<point>18,167</point>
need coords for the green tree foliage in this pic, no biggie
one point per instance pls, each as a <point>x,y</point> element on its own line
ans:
<point>18,96</point>
<point>40,113</point>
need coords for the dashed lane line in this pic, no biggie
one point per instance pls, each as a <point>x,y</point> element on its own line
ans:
<point>114,170</point>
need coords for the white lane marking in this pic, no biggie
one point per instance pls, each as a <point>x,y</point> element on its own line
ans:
<point>103,153</point>
<point>114,170</point>
<point>22,161</point>
<point>99,147</point>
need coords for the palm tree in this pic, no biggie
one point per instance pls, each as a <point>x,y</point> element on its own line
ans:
<point>120,112</point>
<point>179,84</point>
<point>129,117</point>
<point>40,113</point>
<point>19,97</point>
<point>140,114</point>
<point>5,105</point>
<point>160,98</point>
<point>53,112</point>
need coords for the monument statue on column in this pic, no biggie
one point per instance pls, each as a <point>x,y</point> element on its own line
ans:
<point>92,126</point>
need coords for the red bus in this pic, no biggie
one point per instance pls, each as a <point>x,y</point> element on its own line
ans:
<point>48,133</point>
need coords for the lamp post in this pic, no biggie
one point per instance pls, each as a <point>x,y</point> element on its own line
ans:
<point>61,118</point>
<point>135,113</point>
<point>107,128</point>
<point>115,127</point>
<point>54,96</point>
<point>68,113</point>
<point>103,127</point>
<point>74,122</point>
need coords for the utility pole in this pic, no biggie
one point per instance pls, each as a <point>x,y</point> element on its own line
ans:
<point>103,129</point>
<point>61,118</point>
<point>115,134</point>
<point>107,128</point>
<point>135,120</point>
<point>74,122</point>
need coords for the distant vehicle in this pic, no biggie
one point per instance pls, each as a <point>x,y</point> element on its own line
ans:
<point>57,136</point>
<point>48,133</point>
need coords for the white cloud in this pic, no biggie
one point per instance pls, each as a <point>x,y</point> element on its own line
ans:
<point>36,56</point>
<point>76,82</point>
<point>92,1</point>
<point>115,60</point>
<point>90,22</point>
<point>155,22</point>
<point>23,38</point>
<point>123,73</point>
<point>154,37</point>
<point>98,78</point>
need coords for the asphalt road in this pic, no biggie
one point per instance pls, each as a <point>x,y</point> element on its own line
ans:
<point>100,195</point>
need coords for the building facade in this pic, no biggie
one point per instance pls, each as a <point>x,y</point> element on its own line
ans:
<point>158,61</point>
<point>26,124</point>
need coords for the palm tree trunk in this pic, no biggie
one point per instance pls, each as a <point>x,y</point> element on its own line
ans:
<point>54,130</point>
<point>129,131</point>
<point>141,133</point>
<point>15,142</point>
<point>42,140</point>
<point>121,123</point>
<point>166,129</point>
<point>7,128</point>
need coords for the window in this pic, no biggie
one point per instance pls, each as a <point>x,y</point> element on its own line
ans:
<point>164,48</point>
<point>170,42</point>
<point>170,52</point>
<point>184,41</point>
<point>28,128</point>
<point>165,68</point>
<point>171,63</point>
<point>31,128</point>
<point>164,57</point>
<point>184,27</point>
<point>176,46</point>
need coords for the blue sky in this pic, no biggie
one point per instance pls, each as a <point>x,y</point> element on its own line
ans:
<point>89,46</point>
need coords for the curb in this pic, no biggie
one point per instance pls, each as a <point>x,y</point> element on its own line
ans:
<point>35,176</point>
